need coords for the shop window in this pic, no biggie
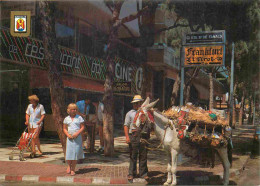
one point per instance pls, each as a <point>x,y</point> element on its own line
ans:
<point>99,49</point>
<point>86,45</point>
<point>90,41</point>
<point>65,35</point>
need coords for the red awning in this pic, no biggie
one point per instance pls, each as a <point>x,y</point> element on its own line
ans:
<point>39,79</point>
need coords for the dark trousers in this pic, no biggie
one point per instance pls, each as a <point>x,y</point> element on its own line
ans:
<point>136,148</point>
<point>91,136</point>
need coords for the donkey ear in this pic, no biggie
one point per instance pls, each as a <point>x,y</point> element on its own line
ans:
<point>151,105</point>
<point>146,102</point>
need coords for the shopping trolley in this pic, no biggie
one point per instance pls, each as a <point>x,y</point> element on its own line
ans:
<point>24,144</point>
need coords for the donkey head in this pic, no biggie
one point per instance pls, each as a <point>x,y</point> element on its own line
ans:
<point>145,113</point>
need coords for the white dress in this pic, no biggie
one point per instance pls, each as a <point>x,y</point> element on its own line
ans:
<point>74,149</point>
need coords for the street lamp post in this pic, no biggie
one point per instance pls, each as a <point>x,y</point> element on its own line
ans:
<point>231,87</point>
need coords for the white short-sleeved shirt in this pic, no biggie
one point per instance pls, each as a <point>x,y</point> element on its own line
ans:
<point>35,114</point>
<point>100,111</point>
<point>129,119</point>
<point>73,126</point>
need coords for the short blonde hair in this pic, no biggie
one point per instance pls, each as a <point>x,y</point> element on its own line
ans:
<point>71,106</point>
<point>33,97</point>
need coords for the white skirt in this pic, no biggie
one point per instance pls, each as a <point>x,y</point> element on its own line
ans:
<point>74,149</point>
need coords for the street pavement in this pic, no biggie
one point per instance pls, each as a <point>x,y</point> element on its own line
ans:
<point>251,172</point>
<point>98,169</point>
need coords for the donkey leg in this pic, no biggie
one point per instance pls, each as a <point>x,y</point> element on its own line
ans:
<point>225,162</point>
<point>174,155</point>
<point>169,166</point>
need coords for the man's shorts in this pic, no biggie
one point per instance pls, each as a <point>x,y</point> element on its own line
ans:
<point>99,123</point>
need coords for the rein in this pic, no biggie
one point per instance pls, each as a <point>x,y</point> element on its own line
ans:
<point>150,117</point>
<point>156,148</point>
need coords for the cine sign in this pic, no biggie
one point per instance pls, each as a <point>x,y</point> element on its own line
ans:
<point>203,55</point>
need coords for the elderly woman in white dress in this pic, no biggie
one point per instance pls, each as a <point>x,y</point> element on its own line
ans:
<point>73,125</point>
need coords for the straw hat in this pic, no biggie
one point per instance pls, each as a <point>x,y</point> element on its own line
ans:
<point>137,98</point>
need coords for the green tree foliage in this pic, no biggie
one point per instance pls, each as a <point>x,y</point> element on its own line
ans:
<point>240,20</point>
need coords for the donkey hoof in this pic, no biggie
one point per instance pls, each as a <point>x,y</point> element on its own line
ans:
<point>166,183</point>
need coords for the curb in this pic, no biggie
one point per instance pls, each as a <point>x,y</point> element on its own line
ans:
<point>63,179</point>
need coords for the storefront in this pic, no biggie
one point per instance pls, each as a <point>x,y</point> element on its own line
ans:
<point>81,75</point>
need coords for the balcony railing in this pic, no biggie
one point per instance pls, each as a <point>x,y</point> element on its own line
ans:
<point>160,55</point>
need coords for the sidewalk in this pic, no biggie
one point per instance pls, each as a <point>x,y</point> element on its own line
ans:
<point>97,169</point>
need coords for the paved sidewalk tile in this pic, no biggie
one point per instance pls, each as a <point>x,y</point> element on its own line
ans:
<point>32,178</point>
<point>98,169</point>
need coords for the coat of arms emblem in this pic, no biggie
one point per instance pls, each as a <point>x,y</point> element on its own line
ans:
<point>20,23</point>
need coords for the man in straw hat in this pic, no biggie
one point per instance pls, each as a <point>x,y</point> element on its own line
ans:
<point>135,146</point>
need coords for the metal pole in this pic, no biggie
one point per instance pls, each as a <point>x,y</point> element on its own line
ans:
<point>231,87</point>
<point>182,80</point>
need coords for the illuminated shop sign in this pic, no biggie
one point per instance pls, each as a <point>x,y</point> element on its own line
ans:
<point>31,51</point>
<point>204,55</point>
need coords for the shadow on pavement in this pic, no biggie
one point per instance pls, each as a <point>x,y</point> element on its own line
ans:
<point>184,178</point>
<point>86,170</point>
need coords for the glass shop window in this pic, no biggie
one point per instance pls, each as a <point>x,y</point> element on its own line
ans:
<point>65,35</point>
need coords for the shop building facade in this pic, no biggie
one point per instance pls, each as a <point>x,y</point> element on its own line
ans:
<point>82,32</point>
<point>82,38</point>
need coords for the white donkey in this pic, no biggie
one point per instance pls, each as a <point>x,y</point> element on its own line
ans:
<point>171,143</point>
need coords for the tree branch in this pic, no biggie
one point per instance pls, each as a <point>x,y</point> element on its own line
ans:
<point>125,44</point>
<point>194,74</point>
<point>171,27</point>
<point>129,31</point>
<point>133,16</point>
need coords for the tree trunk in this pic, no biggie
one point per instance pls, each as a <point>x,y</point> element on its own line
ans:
<point>187,95</point>
<point>241,109</point>
<point>108,126</point>
<point>108,86</point>
<point>51,53</point>
<point>250,113</point>
<point>175,89</point>
<point>211,90</point>
<point>189,83</point>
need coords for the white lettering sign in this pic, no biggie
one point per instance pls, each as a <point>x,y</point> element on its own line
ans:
<point>123,72</point>
<point>139,80</point>
<point>69,60</point>
<point>96,67</point>
<point>34,51</point>
<point>12,48</point>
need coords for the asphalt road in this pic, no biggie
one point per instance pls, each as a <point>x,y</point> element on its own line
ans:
<point>251,173</point>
